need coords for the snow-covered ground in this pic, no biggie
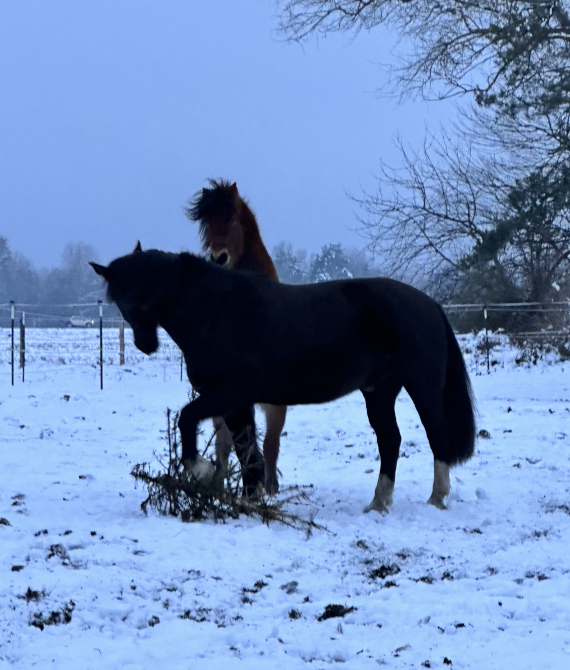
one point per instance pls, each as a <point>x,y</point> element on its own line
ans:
<point>484,584</point>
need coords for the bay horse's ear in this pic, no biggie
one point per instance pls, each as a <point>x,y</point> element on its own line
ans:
<point>138,248</point>
<point>234,189</point>
<point>101,270</point>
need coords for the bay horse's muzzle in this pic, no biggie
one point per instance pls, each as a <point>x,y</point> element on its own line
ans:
<point>221,257</point>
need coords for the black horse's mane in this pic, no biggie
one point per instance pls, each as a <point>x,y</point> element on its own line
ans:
<point>217,201</point>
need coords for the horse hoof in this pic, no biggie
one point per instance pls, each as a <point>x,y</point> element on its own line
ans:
<point>200,469</point>
<point>271,487</point>
<point>377,506</point>
<point>436,501</point>
<point>252,493</point>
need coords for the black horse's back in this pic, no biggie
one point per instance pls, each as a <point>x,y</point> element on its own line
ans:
<point>459,402</point>
<point>247,339</point>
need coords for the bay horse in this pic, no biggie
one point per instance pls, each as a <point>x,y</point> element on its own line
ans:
<point>230,234</point>
<point>247,339</point>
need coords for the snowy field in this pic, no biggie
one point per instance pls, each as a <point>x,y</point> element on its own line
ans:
<point>87,581</point>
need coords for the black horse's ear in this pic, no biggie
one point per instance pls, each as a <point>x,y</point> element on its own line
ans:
<point>101,270</point>
<point>234,189</point>
<point>138,248</point>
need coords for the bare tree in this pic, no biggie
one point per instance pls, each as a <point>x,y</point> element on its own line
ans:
<point>430,212</point>
<point>18,279</point>
<point>489,207</point>
<point>511,56</point>
<point>74,281</point>
<point>4,250</point>
<point>460,223</point>
<point>488,48</point>
<point>292,266</point>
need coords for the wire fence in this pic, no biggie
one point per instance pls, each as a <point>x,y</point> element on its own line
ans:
<point>543,323</point>
<point>60,316</point>
<point>529,319</point>
<point>95,334</point>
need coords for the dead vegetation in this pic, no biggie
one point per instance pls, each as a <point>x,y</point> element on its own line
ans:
<point>333,611</point>
<point>54,618</point>
<point>171,491</point>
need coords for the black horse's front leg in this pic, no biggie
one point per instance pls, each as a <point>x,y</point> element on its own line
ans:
<point>241,424</point>
<point>190,416</point>
<point>188,426</point>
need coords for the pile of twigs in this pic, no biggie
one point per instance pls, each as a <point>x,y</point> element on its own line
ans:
<point>173,492</point>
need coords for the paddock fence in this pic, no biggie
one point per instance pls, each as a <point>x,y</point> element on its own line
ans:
<point>92,334</point>
<point>95,334</point>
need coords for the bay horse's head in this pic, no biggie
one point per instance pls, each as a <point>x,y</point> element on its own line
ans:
<point>223,217</point>
<point>128,286</point>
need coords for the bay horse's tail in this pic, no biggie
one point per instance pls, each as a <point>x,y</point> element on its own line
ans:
<point>458,402</point>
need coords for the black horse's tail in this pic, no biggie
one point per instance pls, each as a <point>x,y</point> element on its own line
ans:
<point>459,402</point>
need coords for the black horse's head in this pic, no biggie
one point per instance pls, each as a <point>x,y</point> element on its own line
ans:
<point>128,287</point>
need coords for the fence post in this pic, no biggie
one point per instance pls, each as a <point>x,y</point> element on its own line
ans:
<point>486,337</point>
<point>12,344</point>
<point>23,344</point>
<point>122,342</point>
<point>100,302</point>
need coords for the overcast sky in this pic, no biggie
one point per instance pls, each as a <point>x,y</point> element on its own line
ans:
<point>114,113</point>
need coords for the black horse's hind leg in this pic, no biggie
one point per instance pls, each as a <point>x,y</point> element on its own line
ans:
<point>241,425</point>
<point>441,484</point>
<point>430,406</point>
<point>382,417</point>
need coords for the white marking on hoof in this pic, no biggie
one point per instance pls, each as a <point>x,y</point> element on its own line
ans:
<point>441,485</point>
<point>200,469</point>
<point>382,496</point>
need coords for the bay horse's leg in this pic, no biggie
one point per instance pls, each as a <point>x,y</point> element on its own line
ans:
<point>430,407</point>
<point>382,416</point>
<point>275,418</point>
<point>224,444</point>
<point>241,425</point>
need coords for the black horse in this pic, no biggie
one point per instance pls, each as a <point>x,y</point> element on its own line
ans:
<point>247,339</point>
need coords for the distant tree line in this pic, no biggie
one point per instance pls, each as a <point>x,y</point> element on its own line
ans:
<point>73,282</point>
<point>332,262</point>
